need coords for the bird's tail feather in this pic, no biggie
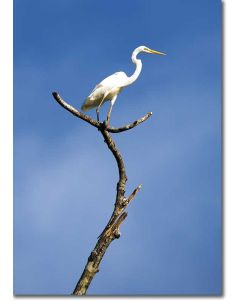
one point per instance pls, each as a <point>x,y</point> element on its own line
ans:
<point>84,107</point>
<point>89,104</point>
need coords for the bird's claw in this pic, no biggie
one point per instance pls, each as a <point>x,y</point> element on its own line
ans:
<point>105,124</point>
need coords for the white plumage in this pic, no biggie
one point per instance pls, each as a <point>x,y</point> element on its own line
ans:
<point>109,88</point>
<point>108,85</point>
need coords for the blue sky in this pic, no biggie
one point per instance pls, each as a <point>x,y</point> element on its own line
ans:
<point>65,177</point>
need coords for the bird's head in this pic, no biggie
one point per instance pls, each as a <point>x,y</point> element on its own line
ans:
<point>148,50</point>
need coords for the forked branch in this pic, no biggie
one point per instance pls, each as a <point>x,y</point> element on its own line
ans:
<point>95,123</point>
<point>112,229</point>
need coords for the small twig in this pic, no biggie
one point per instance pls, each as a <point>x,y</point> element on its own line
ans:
<point>129,126</point>
<point>120,206</point>
<point>112,229</point>
<point>116,226</point>
<point>134,193</point>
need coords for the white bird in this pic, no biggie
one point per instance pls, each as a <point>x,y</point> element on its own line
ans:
<point>110,87</point>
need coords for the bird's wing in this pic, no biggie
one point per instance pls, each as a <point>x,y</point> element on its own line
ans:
<point>116,79</point>
<point>96,87</point>
<point>111,82</point>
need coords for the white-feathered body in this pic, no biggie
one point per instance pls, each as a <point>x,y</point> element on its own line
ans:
<point>110,87</point>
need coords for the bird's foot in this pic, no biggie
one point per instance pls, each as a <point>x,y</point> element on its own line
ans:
<point>105,124</point>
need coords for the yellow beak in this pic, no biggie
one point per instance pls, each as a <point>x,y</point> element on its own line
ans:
<point>156,52</point>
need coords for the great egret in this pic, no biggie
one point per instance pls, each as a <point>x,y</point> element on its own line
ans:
<point>110,87</point>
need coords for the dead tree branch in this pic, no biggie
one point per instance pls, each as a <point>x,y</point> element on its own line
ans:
<point>112,229</point>
<point>95,123</point>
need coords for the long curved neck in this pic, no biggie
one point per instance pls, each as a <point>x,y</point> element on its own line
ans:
<point>138,69</point>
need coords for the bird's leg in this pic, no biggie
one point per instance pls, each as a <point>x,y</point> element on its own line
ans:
<point>109,113</point>
<point>98,108</point>
<point>97,112</point>
<point>110,109</point>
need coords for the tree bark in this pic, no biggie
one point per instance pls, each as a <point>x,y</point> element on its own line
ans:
<point>112,229</point>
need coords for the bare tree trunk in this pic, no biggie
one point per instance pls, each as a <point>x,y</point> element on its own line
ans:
<point>112,229</point>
